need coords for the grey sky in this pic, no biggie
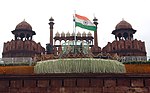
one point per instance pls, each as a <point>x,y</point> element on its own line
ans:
<point>108,12</point>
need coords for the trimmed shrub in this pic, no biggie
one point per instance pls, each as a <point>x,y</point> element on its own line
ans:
<point>79,65</point>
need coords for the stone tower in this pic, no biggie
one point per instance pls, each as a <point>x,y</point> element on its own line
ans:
<point>95,48</point>
<point>49,46</point>
<point>51,23</point>
<point>23,44</point>
<point>95,32</point>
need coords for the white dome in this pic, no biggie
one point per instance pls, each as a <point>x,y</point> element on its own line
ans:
<point>68,34</point>
<point>89,34</point>
<point>83,34</point>
<point>62,34</point>
<point>73,34</point>
<point>57,34</point>
<point>79,34</point>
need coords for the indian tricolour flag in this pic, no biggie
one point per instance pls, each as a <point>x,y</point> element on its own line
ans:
<point>84,22</point>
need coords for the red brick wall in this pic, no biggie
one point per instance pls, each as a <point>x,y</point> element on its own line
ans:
<point>75,83</point>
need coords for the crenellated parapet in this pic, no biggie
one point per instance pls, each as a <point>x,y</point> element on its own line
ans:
<point>70,36</point>
<point>126,48</point>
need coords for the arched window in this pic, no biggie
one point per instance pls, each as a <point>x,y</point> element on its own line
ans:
<point>22,36</point>
<point>27,36</point>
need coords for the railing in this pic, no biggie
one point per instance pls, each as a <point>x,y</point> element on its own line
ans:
<point>16,60</point>
<point>133,58</point>
<point>29,60</point>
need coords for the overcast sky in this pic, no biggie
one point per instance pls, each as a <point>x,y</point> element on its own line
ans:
<point>108,12</point>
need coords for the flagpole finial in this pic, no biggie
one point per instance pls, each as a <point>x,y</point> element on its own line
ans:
<point>94,15</point>
<point>95,19</point>
<point>73,18</point>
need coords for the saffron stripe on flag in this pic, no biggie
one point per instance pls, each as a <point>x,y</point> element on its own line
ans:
<point>81,17</point>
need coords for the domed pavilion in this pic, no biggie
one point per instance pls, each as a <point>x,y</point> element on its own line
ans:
<point>23,44</point>
<point>23,31</point>
<point>124,30</point>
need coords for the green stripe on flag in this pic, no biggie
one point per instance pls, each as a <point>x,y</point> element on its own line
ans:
<point>93,28</point>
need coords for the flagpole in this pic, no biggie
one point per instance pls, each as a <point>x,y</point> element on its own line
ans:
<point>74,28</point>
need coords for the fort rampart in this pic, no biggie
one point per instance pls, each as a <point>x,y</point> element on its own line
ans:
<point>75,83</point>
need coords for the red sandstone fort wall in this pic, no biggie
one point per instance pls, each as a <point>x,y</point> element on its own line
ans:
<point>134,47</point>
<point>75,83</point>
<point>14,46</point>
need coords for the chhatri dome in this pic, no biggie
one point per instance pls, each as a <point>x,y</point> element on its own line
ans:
<point>124,29</point>
<point>23,26</point>
<point>23,31</point>
<point>123,25</point>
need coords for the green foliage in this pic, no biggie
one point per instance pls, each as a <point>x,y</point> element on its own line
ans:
<point>79,65</point>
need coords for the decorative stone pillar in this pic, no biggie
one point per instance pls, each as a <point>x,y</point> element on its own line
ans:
<point>51,23</point>
<point>95,32</point>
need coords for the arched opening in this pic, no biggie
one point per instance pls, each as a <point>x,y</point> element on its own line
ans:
<point>119,36</point>
<point>57,42</point>
<point>63,41</point>
<point>125,35</point>
<point>27,36</point>
<point>22,36</point>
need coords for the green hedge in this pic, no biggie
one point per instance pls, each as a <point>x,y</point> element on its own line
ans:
<point>79,65</point>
